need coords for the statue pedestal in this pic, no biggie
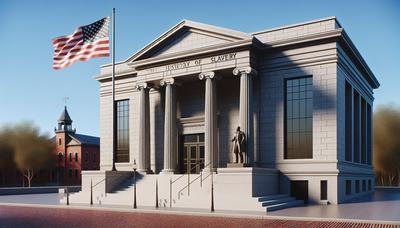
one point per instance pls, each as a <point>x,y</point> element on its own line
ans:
<point>236,165</point>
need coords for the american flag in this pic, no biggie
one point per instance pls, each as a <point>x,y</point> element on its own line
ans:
<point>86,42</point>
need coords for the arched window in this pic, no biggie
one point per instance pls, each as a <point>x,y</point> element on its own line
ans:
<point>76,157</point>
<point>60,156</point>
<point>76,173</point>
<point>70,157</point>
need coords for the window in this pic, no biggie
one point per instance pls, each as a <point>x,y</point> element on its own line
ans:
<point>122,131</point>
<point>356,136</point>
<point>70,157</point>
<point>357,186</point>
<point>349,121</point>
<point>298,118</point>
<point>324,190</point>
<point>364,185</point>
<point>369,138</point>
<point>76,157</point>
<point>86,156</point>
<point>94,157</point>
<point>76,173</point>
<point>348,187</point>
<point>369,185</point>
<point>59,142</point>
<point>70,173</point>
<point>363,132</point>
<point>60,156</point>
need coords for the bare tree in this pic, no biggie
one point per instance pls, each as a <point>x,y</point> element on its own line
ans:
<point>33,151</point>
<point>387,145</point>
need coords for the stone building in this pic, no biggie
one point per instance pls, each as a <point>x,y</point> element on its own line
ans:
<point>302,94</point>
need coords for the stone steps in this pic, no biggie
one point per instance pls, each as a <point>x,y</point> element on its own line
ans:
<point>293,203</point>
<point>278,202</point>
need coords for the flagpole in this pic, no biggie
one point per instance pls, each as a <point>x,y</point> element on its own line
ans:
<point>114,145</point>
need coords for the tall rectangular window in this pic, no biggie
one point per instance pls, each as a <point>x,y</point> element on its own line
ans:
<point>298,118</point>
<point>349,122</point>
<point>369,132</point>
<point>122,131</point>
<point>363,132</point>
<point>356,136</point>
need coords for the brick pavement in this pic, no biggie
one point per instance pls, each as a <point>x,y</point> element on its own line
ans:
<point>18,216</point>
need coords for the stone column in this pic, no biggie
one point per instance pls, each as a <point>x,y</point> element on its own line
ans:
<point>144,128</point>
<point>170,139</point>
<point>246,109</point>
<point>210,121</point>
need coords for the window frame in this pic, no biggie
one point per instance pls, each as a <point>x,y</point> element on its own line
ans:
<point>285,155</point>
<point>122,152</point>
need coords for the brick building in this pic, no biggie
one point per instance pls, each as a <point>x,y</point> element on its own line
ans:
<point>75,152</point>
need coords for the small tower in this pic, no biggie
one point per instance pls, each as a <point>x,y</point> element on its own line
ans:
<point>65,122</point>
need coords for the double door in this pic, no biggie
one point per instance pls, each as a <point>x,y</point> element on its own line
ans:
<point>193,153</point>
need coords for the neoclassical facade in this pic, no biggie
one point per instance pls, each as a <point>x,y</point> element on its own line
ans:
<point>302,94</point>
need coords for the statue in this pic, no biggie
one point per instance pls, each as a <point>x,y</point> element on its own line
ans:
<point>238,140</point>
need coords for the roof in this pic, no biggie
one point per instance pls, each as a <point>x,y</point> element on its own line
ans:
<point>65,118</point>
<point>85,139</point>
<point>233,34</point>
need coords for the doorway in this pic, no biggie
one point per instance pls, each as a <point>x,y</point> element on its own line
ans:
<point>192,153</point>
<point>299,190</point>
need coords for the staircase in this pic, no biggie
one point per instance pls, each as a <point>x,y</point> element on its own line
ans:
<point>228,195</point>
<point>278,202</point>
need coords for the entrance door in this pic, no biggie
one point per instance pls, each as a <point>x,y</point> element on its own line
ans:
<point>299,190</point>
<point>192,153</point>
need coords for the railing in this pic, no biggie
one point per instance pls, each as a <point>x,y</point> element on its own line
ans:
<point>91,189</point>
<point>191,182</point>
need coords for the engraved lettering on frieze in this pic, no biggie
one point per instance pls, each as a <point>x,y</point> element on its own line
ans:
<point>192,63</point>
<point>222,58</point>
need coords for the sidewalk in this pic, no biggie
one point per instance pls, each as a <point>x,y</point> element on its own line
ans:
<point>382,207</point>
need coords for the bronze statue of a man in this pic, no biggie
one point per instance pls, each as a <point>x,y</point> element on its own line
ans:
<point>238,140</point>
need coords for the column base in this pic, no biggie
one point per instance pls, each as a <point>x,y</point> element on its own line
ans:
<point>237,165</point>
<point>167,171</point>
<point>143,171</point>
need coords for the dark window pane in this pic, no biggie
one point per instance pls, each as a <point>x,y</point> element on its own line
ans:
<point>190,138</point>
<point>122,118</point>
<point>298,119</point>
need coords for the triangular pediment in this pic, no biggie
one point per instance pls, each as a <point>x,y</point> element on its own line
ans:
<point>186,36</point>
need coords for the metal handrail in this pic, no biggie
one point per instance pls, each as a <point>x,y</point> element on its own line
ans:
<point>98,183</point>
<point>188,172</point>
<point>191,182</point>
<point>91,189</point>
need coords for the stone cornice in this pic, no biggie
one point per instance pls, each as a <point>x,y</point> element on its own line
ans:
<point>190,53</point>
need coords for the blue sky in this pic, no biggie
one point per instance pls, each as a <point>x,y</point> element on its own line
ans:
<point>31,90</point>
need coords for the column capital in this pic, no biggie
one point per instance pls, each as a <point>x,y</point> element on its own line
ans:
<point>205,75</point>
<point>167,81</point>
<point>142,85</point>
<point>244,70</point>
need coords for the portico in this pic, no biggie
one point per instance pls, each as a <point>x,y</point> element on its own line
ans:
<point>167,86</point>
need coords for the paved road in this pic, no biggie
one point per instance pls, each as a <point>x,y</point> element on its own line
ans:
<point>16,216</point>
